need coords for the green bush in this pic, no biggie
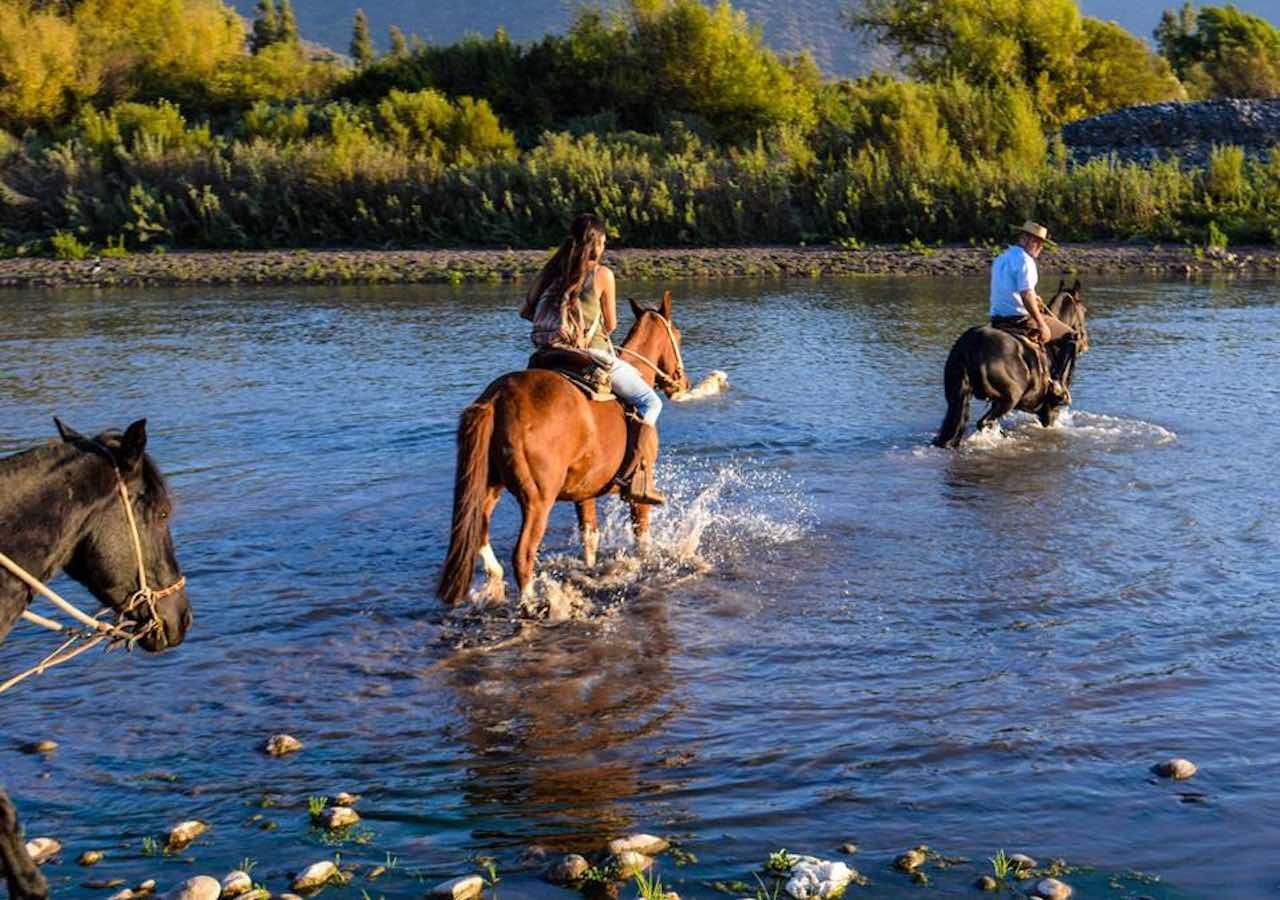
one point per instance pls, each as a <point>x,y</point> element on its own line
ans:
<point>65,246</point>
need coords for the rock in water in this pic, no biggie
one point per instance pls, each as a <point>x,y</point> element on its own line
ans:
<point>987,883</point>
<point>910,861</point>
<point>463,888</point>
<point>567,870</point>
<point>629,862</point>
<point>1052,889</point>
<point>90,858</point>
<point>1177,768</point>
<point>315,876</point>
<point>335,817</point>
<point>283,745</point>
<point>1020,861</point>
<point>184,833</point>
<point>638,843</point>
<point>42,849</point>
<point>201,887</point>
<point>345,799</point>
<point>819,879</point>
<point>40,747</point>
<point>849,847</point>
<point>236,883</point>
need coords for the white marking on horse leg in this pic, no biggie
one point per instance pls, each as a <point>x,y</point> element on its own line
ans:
<point>590,545</point>
<point>495,588</point>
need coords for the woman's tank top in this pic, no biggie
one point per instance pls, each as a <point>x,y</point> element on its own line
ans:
<point>589,300</point>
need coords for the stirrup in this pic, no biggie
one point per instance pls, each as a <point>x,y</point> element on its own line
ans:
<point>641,489</point>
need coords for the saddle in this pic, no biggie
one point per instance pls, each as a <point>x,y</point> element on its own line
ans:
<point>1024,330</point>
<point>578,368</point>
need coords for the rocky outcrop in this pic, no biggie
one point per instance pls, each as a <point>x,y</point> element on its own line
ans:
<point>1188,131</point>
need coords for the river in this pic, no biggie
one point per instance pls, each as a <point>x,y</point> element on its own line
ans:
<point>845,635</point>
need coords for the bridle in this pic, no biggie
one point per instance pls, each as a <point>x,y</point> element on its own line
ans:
<point>95,630</point>
<point>664,380</point>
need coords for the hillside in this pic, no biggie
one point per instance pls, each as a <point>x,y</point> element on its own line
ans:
<point>788,26</point>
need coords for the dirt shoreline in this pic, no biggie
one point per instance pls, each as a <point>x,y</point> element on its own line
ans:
<point>338,266</point>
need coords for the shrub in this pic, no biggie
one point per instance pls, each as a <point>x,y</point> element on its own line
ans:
<point>65,246</point>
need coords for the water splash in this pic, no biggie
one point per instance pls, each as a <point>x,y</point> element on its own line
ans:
<point>1022,433</point>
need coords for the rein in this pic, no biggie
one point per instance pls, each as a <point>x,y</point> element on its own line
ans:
<point>672,380</point>
<point>95,631</point>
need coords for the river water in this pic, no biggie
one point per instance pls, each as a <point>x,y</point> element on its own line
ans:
<point>845,634</point>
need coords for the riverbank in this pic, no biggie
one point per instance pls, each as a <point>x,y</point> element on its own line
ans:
<point>328,266</point>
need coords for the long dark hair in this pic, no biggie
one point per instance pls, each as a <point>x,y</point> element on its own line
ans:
<point>567,270</point>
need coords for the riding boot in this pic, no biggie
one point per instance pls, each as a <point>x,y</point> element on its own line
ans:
<point>635,478</point>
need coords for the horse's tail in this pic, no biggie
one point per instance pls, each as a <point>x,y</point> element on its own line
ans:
<point>470,487</point>
<point>956,381</point>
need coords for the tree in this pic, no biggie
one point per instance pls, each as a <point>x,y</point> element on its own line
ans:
<point>1221,51</point>
<point>399,46</point>
<point>266,26</point>
<point>288,23</point>
<point>361,42</point>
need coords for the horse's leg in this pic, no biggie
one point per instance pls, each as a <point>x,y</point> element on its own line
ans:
<point>23,878</point>
<point>495,589</point>
<point>589,530</point>
<point>1000,407</point>
<point>536,511</point>
<point>640,526</point>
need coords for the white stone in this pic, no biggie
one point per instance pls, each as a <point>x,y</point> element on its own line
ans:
<point>184,833</point>
<point>146,887</point>
<point>335,817</point>
<point>201,887</point>
<point>283,744</point>
<point>314,876</point>
<point>345,799</point>
<point>1052,889</point>
<point>463,888</point>
<point>638,843</point>
<point>1019,861</point>
<point>567,870</point>
<point>42,849</point>
<point>90,857</point>
<point>818,878</point>
<point>629,862</point>
<point>1177,768</point>
<point>236,883</point>
<point>126,894</point>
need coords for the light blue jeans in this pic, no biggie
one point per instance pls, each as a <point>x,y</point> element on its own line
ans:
<point>631,389</point>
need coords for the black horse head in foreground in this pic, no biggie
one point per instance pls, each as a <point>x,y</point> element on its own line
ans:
<point>993,365</point>
<point>63,507</point>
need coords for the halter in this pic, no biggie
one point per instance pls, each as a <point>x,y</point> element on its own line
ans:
<point>95,630</point>
<point>664,380</point>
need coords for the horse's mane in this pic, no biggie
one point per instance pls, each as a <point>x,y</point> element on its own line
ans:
<point>11,465</point>
<point>155,487</point>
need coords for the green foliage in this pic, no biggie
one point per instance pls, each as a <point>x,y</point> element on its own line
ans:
<point>316,806</point>
<point>1001,867</point>
<point>115,249</point>
<point>65,246</point>
<point>361,40</point>
<point>780,862</point>
<point>1221,51</point>
<point>288,32</point>
<point>649,886</point>
<point>399,46</point>
<point>1215,238</point>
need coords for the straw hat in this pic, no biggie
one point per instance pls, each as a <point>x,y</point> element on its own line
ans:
<point>1036,230</point>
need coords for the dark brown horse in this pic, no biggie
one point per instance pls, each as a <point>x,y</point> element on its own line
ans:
<point>993,365</point>
<point>535,435</point>
<point>62,506</point>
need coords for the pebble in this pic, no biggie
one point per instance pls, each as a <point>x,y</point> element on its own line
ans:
<point>818,879</point>
<point>42,849</point>
<point>1019,861</point>
<point>463,888</point>
<point>103,885</point>
<point>566,870</point>
<point>41,747</point>
<point>236,883</point>
<point>646,844</point>
<point>201,887</point>
<point>1052,889</point>
<point>910,861</point>
<point>376,872</point>
<point>629,862</point>
<point>90,858</point>
<point>282,745</point>
<point>126,894</point>
<point>255,894</point>
<point>335,817</point>
<point>1177,768</point>
<point>146,887</point>
<point>345,799</point>
<point>849,847</point>
<point>315,876</point>
<point>184,833</point>
<point>987,883</point>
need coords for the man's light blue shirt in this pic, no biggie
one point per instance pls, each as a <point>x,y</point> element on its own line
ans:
<point>1013,272</point>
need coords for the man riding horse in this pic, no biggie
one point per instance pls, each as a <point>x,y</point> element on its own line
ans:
<point>1019,310</point>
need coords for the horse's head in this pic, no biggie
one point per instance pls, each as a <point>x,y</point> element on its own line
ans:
<point>655,340</point>
<point>106,561</point>
<point>1070,311</point>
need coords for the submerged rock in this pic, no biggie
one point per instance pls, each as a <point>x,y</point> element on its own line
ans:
<point>629,862</point>
<point>849,847</point>
<point>335,817</point>
<point>1051,889</point>
<point>282,745</point>
<point>126,894</point>
<point>818,878</point>
<point>463,888</point>
<point>987,883</point>
<point>43,849</point>
<point>1020,861</point>
<point>201,887</point>
<point>315,876</point>
<point>910,861</point>
<point>638,843</point>
<point>90,857</point>
<point>1177,768</point>
<point>567,870</point>
<point>236,883</point>
<point>184,833</point>
<point>345,799</point>
<point>40,747</point>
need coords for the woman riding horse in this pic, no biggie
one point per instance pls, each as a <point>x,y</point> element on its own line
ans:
<point>575,289</point>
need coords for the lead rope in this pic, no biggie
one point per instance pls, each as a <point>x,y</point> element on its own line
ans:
<point>658,374</point>
<point>98,631</point>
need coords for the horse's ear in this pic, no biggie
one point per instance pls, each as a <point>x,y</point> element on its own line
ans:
<point>636,309</point>
<point>666,305</point>
<point>68,434</point>
<point>132,446</point>
<point>1075,288</point>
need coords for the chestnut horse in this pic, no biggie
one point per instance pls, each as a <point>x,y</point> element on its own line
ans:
<point>993,365</point>
<point>63,507</point>
<point>539,437</point>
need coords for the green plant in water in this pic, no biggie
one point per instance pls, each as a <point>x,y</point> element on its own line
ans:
<point>247,864</point>
<point>150,846</point>
<point>491,878</point>
<point>780,861</point>
<point>65,246</point>
<point>1001,866</point>
<point>604,873</point>
<point>649,886</point>
<point>316,805</point>
<point>764,892</point>
<point>390,862</point>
